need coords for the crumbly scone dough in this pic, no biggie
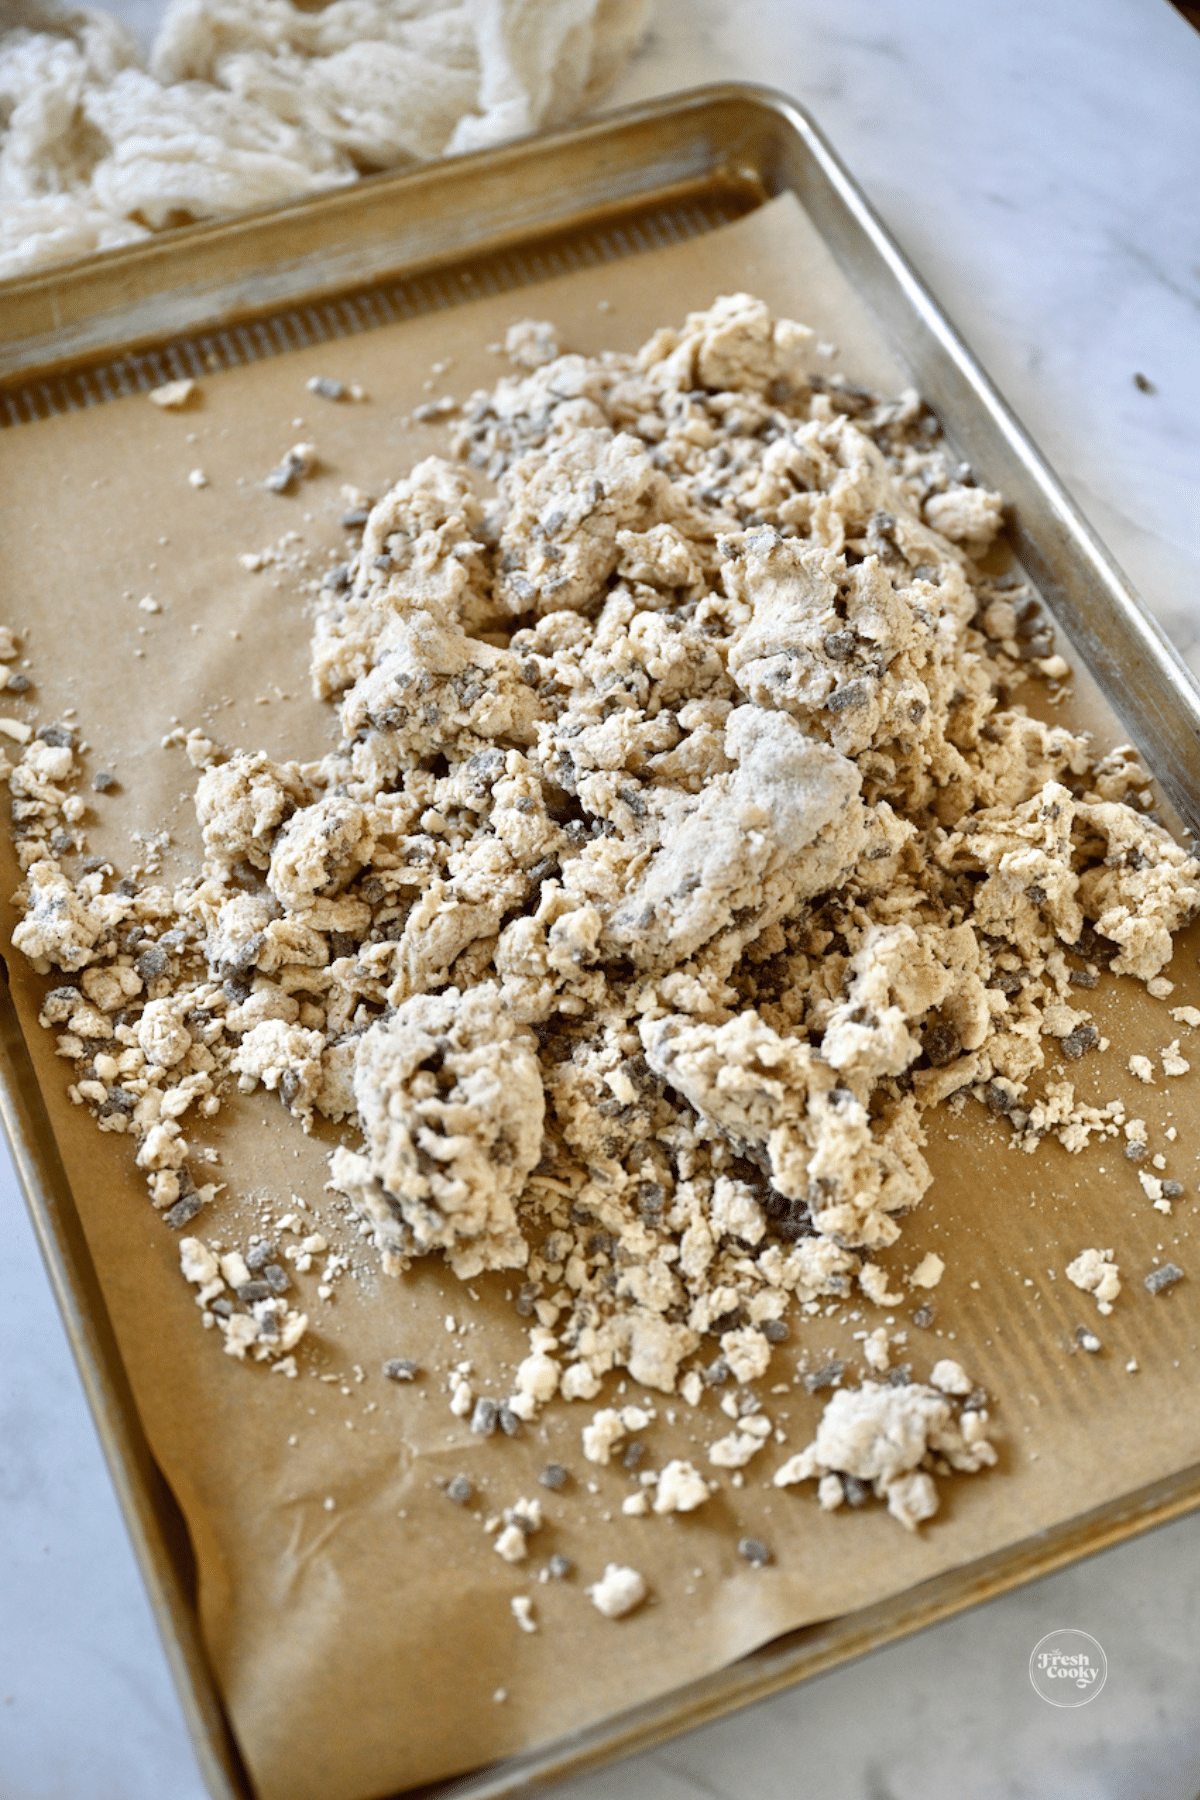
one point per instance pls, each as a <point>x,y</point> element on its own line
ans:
<point>880,1435</point>
<point>685,842</point>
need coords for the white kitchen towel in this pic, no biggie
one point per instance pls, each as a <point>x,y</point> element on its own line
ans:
<point>250,102</point>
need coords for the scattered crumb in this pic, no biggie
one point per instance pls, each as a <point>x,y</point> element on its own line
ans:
<point>928,1272</point>
<point>298,463</point>
<point>619,1591</point>
<point>522,1611</point>
<point>1096,1273</point>
<point>173,394</point>
<point>681,1488</point>
<point>950,1378</point>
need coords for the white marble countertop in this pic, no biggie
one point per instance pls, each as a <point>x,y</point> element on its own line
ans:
<point>1038,161</point>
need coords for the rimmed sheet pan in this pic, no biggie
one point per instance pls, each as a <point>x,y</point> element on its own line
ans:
<point>623,203</point>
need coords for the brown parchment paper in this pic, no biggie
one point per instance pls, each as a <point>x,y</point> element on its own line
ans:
<point>359,1647</point>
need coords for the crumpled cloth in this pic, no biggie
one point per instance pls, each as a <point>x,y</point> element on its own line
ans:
<point>250,102</point>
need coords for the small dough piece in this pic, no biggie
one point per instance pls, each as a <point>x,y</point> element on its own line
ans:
<point>283,1057</point>
<point>1096,1273</point>
<point>602,1436</point>
<point>949,1377</point>
<point>619,1591</point>
<point>318,851</point>
<point>680,1488</point>
<point>967,515</point>
<point>163,1037</point>
<point>880,1434</point>
<point>171,395</point>
<point>240,806</point>
<point>928,1272</point>
<point>451,1103</point>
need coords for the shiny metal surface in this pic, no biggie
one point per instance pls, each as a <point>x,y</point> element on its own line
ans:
<point>154,1522</point>
<point>434,237</point>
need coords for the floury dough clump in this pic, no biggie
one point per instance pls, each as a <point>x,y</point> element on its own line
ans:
<point>878,1437</point>
<point>685,842</point>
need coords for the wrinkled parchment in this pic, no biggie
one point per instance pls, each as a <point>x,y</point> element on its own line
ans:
<point>359,1647</point>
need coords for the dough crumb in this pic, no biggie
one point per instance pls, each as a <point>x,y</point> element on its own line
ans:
<point>928,1272</point>
<point>880,1435</point>
<point>680,1488</point>
<point>173,395</point>
<point>619,1591</point>
<point>1095,1272</point>
<point>522,1611</point>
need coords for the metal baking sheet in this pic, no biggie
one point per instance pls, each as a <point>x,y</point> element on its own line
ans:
<point>211,297</point>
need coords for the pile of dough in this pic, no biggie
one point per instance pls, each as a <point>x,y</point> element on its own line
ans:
<point>685,842</point>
